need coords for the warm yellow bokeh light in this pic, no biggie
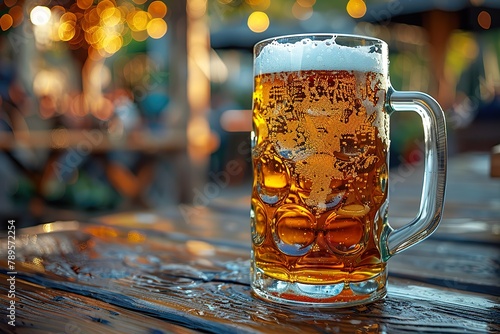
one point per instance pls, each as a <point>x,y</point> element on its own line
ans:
<point>106,25</point>
<point>111,16</point>
<point>112,43</point>
<point>103,5</point>
<point>48,83</point>
<point>157,28</point>
<point>6,22</point>
<point>96,37</point>
<point>258,22</point>
<point>356,8</point>
<point>68,17</point>
<point>40,15</point>
<point>157,9</point>
<point>138,21</point>
<point>66,31</point>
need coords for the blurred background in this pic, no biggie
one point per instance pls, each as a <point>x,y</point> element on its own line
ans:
<point>119,105</point>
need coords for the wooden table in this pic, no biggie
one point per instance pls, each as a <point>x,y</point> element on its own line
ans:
<point>186,270</point>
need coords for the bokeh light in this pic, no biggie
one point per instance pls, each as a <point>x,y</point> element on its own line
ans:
<point>138,20</point>
<point>103,5</point>
<point>484,20</point>
<point>258,22</point>
<point>40,15</point>
<point>6,21</point>
<point>112,43</point>
<point>157,28</point>
<point>157,9</point>
<point>301,12</point>
<point>66,31</point>
<point>356,8</point>
<point>111,16</point>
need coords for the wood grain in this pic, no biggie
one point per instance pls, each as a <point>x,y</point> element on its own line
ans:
<point>120,280</point>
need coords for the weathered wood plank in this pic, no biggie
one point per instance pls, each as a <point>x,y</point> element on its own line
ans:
<point>153,281</point>
<point>45,310</point>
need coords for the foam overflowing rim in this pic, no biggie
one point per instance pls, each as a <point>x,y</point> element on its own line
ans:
<point>320,52</point>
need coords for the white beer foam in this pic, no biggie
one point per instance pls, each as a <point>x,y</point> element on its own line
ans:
<point>310,54</point>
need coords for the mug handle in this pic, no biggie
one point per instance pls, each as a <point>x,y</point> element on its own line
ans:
<point>432,201</point>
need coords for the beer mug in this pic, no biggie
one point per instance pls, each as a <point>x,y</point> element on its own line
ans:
<point>320,143</point>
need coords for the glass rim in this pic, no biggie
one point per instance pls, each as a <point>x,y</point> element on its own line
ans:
<point>300,36</point>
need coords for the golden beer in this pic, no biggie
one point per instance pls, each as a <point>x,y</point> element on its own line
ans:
<point>320,175</point>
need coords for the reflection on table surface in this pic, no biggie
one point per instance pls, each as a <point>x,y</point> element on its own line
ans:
<point>186,269</point>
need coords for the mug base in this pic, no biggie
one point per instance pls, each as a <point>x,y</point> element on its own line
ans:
<point>339,295</point>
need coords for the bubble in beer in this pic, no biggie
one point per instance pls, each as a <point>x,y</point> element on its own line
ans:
<point>294,229</point>
<point>272,178</point>
<point>343,235</point>
<point>383,176</point>
<point>258,222</point>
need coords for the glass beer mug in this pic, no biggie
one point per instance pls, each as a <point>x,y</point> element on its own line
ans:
<point>320,143</point>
